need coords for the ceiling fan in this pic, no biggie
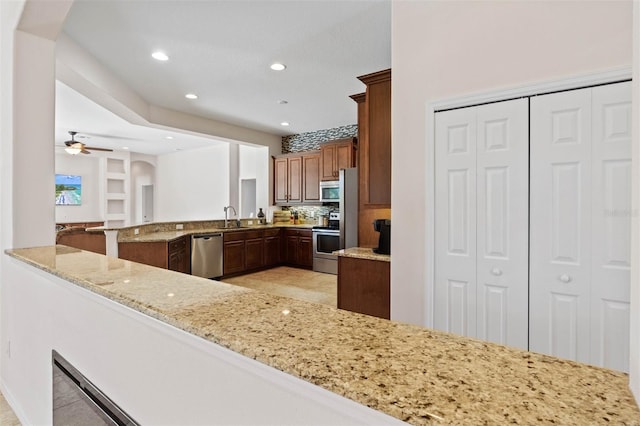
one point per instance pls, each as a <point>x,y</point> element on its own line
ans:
<point>74,147</point>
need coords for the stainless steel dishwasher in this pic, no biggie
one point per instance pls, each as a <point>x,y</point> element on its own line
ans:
<point>206,255</point>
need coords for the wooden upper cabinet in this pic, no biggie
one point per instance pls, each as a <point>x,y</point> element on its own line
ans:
<point>281,180</point>
<point>295,179</point>
<point>337,154</point>
<point>311,182</point>
<point>374,126</point>
<point>287,179</point>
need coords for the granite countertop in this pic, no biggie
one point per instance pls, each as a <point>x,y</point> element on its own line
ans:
<point>416,374</point>
<point>363,253</point>
<point>164,235</point>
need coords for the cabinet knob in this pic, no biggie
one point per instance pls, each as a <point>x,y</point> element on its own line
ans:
<point>496,271</point>
<point>565,278</point>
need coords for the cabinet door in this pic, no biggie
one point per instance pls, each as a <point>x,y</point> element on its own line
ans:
<point>281,180</point>
<point>272,250</point>
<point>327,152</point>
<point>295,179</point>
<point>254,253</point>
<point>292,249</point>
<point>234,257</point>
<point>305,251</point>
<point>311,181</point>
<point>344,156</point>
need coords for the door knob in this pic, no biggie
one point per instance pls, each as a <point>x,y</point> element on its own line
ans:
<point>496,271</point>
<point>565,278</point>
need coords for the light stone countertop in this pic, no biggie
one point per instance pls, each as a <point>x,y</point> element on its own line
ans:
<point>164,235</point>
<point>406,371</point>
<point>363,253</point>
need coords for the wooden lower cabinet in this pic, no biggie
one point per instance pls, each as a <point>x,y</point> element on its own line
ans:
<point>299,247</point>
<point>234,256</point>
<point>272,247</point>
<point>174,255</point>
<point>254,253</point>
<point>364,286</point>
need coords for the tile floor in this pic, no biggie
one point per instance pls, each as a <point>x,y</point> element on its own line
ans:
<point>300,284</point>
<point>7,416</point>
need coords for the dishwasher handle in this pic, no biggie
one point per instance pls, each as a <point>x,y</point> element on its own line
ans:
<point>207,236</point>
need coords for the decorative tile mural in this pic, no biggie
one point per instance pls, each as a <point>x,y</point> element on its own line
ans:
<point>311,140</point>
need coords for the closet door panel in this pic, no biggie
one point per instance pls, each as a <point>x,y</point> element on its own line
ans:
<point>455,275</point>
<point>611,230</point>
<point>560,224</point>
<point>502,222</point>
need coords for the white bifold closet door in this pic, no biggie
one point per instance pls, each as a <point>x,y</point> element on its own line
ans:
<point>481,221</point>
<point>580,233</point>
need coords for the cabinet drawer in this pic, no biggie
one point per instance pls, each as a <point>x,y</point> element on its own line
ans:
<point>234,236</point>
<point>271,232</point>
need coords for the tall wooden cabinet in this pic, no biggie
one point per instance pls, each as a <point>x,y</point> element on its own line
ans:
<point>374,154</point>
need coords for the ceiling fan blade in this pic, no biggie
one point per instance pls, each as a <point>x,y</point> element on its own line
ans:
<point>84,151</point>
<point>93,148</point>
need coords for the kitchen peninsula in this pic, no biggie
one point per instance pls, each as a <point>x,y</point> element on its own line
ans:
<point>402,372</point>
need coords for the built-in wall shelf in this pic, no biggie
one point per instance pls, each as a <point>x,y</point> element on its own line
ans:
<point>116,168</point>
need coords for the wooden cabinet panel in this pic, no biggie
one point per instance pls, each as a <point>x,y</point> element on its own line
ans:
<point>364,286</point>
<point>374,132</point>
<point>281,179</point>
<point>174,255</point>
<point>311,181</point>
<point>305,251</point>
<point>180,255</point>
<point>336,155</point>
<point>295,179</point>
<point>234,257</point>
<point>299,247</point>
<point>272,250</point>
<point>328,167</point>
<point>344,156</point>
<point>254,253</point>
<point>289,179</point>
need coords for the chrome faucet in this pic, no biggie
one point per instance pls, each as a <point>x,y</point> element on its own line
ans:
<point>226,215</point>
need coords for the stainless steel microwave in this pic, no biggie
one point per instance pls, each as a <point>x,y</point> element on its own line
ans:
<point>330,191</point>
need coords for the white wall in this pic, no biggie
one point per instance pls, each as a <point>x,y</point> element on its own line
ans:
<point>254,164</point>
<point>192,185</point>
<point>143,172</point>
<point>88,167</point>
<point>446,49</point>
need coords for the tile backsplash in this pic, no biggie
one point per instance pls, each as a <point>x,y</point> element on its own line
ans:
<point>310,141</point>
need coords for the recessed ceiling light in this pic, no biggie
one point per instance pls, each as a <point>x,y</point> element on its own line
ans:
<point>168,137</point>
<point>283,102</point>
<point>191,96</point>
<point>278,66</point>
<point>160,56</point>
<point>284,123</point>
<point>125,147</point>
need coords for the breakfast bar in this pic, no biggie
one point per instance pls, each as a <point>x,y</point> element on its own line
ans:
<point>394,371</point>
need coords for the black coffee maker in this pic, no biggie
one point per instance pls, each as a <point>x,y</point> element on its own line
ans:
<point>383,226</point>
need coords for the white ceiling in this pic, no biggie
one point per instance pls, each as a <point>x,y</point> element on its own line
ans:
<point>221,50</point>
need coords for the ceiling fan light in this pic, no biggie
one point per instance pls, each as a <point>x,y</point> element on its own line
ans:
<point>73,150</point>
